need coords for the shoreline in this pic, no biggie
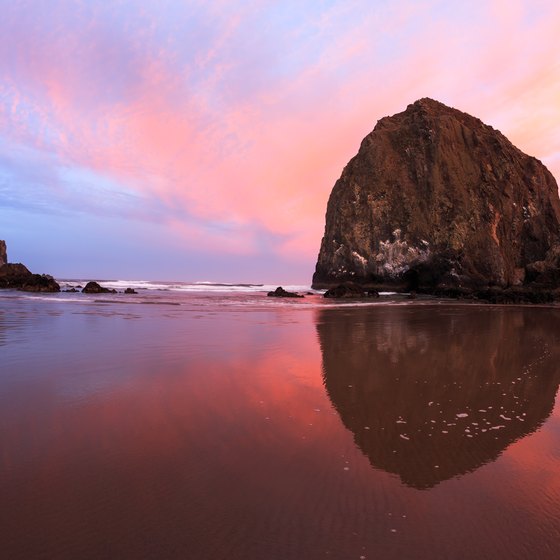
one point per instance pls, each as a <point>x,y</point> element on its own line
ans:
<point>259,301</point>
<point>102,400</point>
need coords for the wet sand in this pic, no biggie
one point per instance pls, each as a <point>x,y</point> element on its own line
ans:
<point>215,431</point>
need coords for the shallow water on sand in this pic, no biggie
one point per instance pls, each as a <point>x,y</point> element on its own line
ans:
<point>236,427</point>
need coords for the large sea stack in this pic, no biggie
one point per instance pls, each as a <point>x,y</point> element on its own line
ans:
<point>435,199</point>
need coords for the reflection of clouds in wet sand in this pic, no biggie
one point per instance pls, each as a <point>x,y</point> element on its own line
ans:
<point>193,433</point>
<point>432,393</point>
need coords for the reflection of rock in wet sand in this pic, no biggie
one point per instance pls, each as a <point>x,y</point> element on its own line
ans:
<point>434,392</point>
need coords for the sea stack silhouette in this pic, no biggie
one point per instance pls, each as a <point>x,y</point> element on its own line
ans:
<point>17,276</point>
<point>437,200</point>
<point>3,253</point>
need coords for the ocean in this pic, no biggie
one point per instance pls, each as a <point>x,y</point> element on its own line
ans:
<point>209,421</point>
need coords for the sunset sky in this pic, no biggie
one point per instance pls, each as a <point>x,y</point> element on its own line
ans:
<point>191,140</point>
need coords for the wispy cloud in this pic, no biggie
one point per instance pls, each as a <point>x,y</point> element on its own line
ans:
<point>231,122</point>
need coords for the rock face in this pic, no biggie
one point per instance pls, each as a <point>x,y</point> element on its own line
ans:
<point>3,253</point>
<point>437,199</point>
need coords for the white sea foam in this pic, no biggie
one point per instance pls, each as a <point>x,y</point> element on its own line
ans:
<point>203,293</point>
<point>200,286</point>
<point>52,298</point>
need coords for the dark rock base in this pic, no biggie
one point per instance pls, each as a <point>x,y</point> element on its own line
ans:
<point>499,295</point>
<point>351,290</point>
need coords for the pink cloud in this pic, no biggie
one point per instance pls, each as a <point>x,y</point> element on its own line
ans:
<point>199,134</point>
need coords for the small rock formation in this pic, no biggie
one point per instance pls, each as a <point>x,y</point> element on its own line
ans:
<point>280,292</point>
<point>130,291</point>
<point>95,288</point>
<point>3,253</point>
<point>16,276</point>
<point>436,200</point>
<point>350,290</point>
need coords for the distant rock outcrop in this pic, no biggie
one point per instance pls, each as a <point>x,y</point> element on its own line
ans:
<point>3,253</point>
<point>435,200</point>
<point>16,276</point>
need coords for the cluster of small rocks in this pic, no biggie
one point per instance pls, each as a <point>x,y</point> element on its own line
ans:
<point>95,288</point>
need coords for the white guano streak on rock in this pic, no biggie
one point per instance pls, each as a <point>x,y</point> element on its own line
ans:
<point>358,258</point>
<point>396,257</point>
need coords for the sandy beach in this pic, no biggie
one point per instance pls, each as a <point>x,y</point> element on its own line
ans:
<point>229,426</point>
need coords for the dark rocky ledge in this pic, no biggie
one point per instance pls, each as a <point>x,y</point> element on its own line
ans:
<point>16,276</point>
<point>351,290</point>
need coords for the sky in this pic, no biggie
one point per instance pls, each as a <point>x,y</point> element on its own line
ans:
<point>199,141</point>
